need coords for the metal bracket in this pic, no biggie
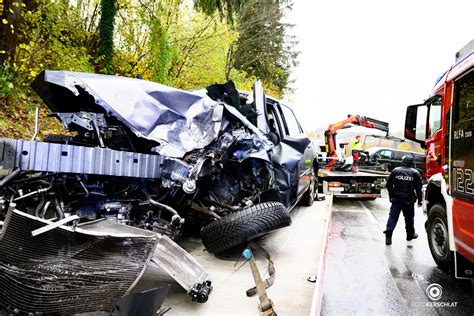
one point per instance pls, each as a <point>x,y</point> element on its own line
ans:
<point>54,225</point>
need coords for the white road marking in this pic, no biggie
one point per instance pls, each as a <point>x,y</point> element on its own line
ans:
<point>369,213</point>
<point>372,218</point>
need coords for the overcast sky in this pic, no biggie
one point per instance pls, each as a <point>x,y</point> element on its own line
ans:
<point>373,57</point>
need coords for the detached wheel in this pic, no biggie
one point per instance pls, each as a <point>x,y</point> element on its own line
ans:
<point>438,238</point>
<point>242,226</point>
<point>310,194</point>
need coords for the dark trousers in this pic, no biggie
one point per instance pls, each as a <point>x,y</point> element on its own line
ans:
<point>408,210</point>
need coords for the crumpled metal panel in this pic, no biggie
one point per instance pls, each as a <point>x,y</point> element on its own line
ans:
<point>169,256</point>
<point>179,264</point>
<point>179,120</point>
<point>64,271</point>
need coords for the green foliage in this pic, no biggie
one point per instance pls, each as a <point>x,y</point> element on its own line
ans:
<point>6,81</point>
<point>160,60</point>
<point>223,7</point>
<point>106,33</point>
<point>167,41</point>
<point>200,50</point>
<point>264,49</point>
<point>49,37</point>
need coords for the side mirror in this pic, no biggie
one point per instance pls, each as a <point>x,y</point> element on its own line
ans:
<point>415,123</point>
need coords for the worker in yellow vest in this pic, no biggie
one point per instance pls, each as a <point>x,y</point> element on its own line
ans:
<point>356,143</point>
<point>356,146</point>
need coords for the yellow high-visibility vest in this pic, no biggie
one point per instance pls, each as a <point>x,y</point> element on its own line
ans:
<point>356,145</point>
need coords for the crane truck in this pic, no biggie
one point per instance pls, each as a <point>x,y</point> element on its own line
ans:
<point>444,126</point>
<point>345,180</point>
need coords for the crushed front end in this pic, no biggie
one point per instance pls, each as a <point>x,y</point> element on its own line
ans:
<point>138,155</point>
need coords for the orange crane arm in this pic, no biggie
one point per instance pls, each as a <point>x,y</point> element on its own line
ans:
<point>350,121</point>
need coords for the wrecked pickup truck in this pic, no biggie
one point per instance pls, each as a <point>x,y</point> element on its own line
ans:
<point>225,164</point>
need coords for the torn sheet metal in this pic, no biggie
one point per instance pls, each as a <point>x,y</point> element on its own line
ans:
<point>179,120</point>
<point>64,271</point>
<point>168,255</point>
<point>179,264</point>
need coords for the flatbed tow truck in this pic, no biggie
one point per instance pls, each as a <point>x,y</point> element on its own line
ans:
<point>359,180</point>
<point>348,184</point>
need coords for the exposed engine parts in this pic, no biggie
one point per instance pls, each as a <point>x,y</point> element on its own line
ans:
<point>152,161</point>
<point>148,191</point>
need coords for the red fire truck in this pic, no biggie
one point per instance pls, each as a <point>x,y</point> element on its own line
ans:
<point>444,126</point>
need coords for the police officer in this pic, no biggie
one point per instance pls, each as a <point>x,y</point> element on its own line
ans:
<point>402,185</point>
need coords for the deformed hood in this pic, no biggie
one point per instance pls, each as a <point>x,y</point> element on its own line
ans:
<point>179,120</point>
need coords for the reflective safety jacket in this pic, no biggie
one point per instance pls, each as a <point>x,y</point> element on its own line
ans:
<point>356,145</point>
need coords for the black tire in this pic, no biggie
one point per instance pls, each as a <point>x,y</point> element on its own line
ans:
<point>438,238</point>
<point>311,193</point>
<point>242,226</point>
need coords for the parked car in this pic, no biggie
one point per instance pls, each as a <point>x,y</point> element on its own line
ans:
<point>227,164</point>
<point>390,158</point>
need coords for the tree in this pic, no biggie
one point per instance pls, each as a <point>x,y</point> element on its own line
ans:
<point>199,44</point>
<point>160,53</point>
<point>106,32</point>
<point>9,21</point>
<point>264,49</point>
<point>167,41</point>
<point>224,7</point>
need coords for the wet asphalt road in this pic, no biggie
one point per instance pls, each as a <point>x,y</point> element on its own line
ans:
<point>363,276</point>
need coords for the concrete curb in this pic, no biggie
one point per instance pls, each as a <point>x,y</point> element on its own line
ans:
<point>318,288</point>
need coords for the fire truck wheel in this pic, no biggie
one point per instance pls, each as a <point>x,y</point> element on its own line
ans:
<point>438,238</point>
